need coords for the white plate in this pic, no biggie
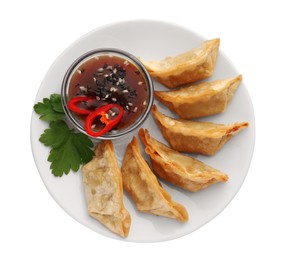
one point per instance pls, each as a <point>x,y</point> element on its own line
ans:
<point>151,40</point>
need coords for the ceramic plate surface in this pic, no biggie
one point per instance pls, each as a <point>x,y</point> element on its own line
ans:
<point>151,40</point>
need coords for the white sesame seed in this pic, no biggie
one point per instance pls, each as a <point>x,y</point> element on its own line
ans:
<point>94,79</point>
<point>93,126</point>
<point>125,91</point>
<point>83,88</point>
<point>106,75</point>
<point>144,103</point>
<point>97,57</point>
<point>98,98</point>
<point>135,109</point>
<point>79,71</point>
<point>114,99</point>
<point>126,62</point>
<point>100,69</point>
<point>109,67</point>
<point>115,70</point>
<point>107,95</point>
<point>113,89</point>
<point>140,83</point>
<point>120,80</point>
<point>117,83</point>
<point>127,107</point>
<point>113,114</point>
<point>130,104</point>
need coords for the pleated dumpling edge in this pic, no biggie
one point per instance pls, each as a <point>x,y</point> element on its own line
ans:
<point>194,136</point>
<point>188,67</point>
<point>202,99</point>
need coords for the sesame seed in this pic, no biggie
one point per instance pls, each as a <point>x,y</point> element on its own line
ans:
<point>144,103</point>
<point>94,79</point>
<point>109,67</point>
<point>135,109</point>
<point>98,98</point>
<point>127,107</point>
<point>83,88</point>
<point>126,63</point>
<point>113,89</point>
<point>100,69</point>
<point>97,57</point>
<point>113,114</point>
<point>130,104</point>
<point>106,75</point>
<point>93,126</point>
<point>114,99</point>
<point>140,83</point>
<point>107,95</point>
<point>79,71</point>
<point>125,91</point>
<point>115,70</point>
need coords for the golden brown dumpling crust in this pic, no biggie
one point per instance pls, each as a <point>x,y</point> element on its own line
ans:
<point>203,99</point>
<point>183,171</point>
<point>187,67</point>
<point>144,188</point>
<point>104,190</point>
<point>195,137</point>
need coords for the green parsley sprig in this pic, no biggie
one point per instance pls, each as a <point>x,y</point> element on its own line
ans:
<point>68,149</point>
<point>50,109</point>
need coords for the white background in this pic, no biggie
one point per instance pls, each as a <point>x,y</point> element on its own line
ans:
<point>34,33</point>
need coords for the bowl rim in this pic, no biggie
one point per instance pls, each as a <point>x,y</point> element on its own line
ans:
<point>107,51</point>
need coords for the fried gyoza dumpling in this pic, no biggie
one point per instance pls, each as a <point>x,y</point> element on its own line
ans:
<point>104,190</point>
<point>195,137</point>
<point>200,100</point>
<point>181,170</point>
<point>187,67</point>
<point>144,188</point>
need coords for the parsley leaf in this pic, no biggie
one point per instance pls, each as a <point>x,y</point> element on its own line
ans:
<point>56,104</point>
<point>50,109</point>
<point>69,149</point>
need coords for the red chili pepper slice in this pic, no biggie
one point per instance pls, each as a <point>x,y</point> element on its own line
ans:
<point>102,112</point>
<point>72,105</point>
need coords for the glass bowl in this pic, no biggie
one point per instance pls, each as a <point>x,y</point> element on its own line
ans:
<point>109,76</point>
